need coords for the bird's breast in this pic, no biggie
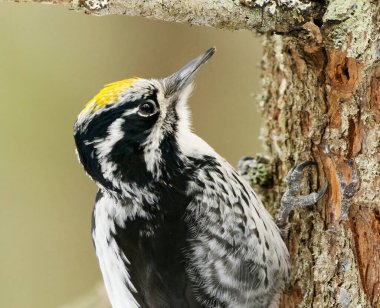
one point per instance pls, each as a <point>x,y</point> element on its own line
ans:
<point>143,258</point>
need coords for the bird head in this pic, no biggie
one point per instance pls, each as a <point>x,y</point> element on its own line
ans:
<point>124,131</point>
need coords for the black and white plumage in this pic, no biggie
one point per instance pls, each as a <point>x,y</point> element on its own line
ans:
<point>174,225</point>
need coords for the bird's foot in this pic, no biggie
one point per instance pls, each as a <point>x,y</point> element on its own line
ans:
<point>291,198</point>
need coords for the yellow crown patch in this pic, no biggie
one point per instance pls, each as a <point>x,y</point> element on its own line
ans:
<point>109,94</point>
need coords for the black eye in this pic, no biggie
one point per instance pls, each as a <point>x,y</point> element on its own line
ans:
<point>147,108</point>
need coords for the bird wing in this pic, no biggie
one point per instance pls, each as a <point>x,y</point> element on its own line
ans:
<point>236,255</point>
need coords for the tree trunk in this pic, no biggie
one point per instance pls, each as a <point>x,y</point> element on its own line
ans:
<point>321,102</point>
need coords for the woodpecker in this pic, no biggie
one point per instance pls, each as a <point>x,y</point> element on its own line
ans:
<point>174,225</point>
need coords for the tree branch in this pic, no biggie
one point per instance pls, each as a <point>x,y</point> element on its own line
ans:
<point>280,16</point>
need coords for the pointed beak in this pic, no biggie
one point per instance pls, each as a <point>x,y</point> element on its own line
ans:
<point>181,79</point>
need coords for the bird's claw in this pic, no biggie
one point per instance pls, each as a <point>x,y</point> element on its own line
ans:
<point>291,198</point>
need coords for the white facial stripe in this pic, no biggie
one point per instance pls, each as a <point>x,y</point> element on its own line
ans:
<point>152,152</point>
<point>104,147</point>
<point>131,111</point>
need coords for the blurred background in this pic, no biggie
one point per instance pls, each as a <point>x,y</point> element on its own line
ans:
<point>52,61</point>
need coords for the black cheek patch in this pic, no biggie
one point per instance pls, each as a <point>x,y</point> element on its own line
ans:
<point>128,154</point>
<point>87,157</point>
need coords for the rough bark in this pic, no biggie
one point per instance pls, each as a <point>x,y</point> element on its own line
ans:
<point>321,102</point>
<point>260,15</point>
